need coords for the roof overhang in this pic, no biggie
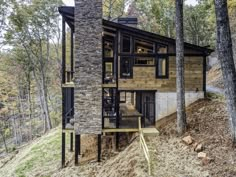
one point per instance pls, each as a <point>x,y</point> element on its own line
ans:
<point>67,12</point>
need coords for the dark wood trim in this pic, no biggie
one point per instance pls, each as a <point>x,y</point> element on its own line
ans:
<point>63,150</point>
<point>99,147</point>
<point>71,141</point>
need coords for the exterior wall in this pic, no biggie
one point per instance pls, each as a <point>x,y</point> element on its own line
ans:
<point>166,102</point>
<point>88,66</point>
<point>144,78</point>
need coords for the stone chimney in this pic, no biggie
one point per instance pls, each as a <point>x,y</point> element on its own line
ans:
<point>88,66</point>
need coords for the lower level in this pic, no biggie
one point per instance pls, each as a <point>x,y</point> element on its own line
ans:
<point>121,109</point>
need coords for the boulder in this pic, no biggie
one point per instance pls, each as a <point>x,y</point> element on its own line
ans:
<point>198,148</point>
<point>188,140</point>
<point>201,155</point>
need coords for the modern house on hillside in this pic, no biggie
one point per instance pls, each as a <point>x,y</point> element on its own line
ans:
<point>118,73</point>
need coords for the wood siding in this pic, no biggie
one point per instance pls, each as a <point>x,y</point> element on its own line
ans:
<point>144,78</point>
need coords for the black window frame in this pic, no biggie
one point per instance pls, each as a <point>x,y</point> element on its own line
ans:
<point>133,55</point>
<point>108,59</point>
<point>145,40</point>
<point>166,76</point>
<point>131,44</point>
<point>131,60</point>
<point>144,65</point>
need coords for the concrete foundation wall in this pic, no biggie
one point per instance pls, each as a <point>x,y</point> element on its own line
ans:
<point>166,102</point>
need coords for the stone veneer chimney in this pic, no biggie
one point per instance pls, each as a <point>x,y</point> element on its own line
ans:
<point>88,66</point>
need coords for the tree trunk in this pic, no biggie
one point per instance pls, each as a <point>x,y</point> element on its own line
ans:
<point>4,140</point>
<point>30,105</point>
<point>225,56</point>
<point>181,116</point>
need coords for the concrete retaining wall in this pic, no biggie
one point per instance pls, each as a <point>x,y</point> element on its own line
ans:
<point>166,102</point>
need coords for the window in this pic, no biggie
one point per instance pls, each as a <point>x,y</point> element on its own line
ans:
<point>143,47</point>
<point>108,48</point>
<point>126,47</point>
<point>126,67</point>
<point>108,72</point>
<point>161,49</point>
<point>162,68</point>
<point>144,61</point>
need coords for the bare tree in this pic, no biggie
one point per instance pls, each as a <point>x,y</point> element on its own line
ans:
<point>225,56</point>
<point>181,116</point>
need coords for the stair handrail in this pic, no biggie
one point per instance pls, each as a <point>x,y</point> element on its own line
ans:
<point>143,146</point>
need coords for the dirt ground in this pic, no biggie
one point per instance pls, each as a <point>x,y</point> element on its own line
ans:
<point>214,77</point>
<point>208,124</point>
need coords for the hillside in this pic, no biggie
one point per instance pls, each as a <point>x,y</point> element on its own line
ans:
<point>207,125</point>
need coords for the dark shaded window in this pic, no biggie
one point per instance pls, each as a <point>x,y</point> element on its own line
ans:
<point>143,47</point>
<point>126,67</point>
<point>162,67</point>
<point>126,47</point>
<point>144,61</point>
<point>108,48</point>
<point>162,49</point>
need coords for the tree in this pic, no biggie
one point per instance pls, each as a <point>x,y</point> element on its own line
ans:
<point>181,116</point>
<point>112,9</point>
<point>225,56</point>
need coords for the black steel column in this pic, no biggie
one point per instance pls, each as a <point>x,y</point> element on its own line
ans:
<point>77,149</point>
<point>99,147</point>
<point>71,141</point>
<point>63,65</point>
<point>72,54</point>
<point>63,150</point>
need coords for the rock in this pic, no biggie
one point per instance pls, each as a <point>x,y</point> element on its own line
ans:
<point>195,145</point>
<point>206,160</point>
<point>188,140</point>
<point>198,148</point>
<point>201,155</point>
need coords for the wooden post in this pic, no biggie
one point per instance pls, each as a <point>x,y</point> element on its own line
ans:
<point>71,141</point>
<point>99,147</point>
<point>77,149</point>
<point>63,150</point>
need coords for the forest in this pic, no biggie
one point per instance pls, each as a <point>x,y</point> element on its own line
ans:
<point>30,55</point>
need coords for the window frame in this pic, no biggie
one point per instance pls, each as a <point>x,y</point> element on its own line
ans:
<point>145,65</point>
<point>131,44</point>
<point>166,76</point>
<point>131,60</point>
<point>141,39</point>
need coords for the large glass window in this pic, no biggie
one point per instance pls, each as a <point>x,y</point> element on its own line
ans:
<point>126,67</point>
<point>126,44</point>
<point>162,67</point>
<point>144,61</point>
<point>108,48</point>
<point>143,47</point>
<point>108,73</point>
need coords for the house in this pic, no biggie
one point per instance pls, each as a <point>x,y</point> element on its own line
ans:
<point>118,73</point>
